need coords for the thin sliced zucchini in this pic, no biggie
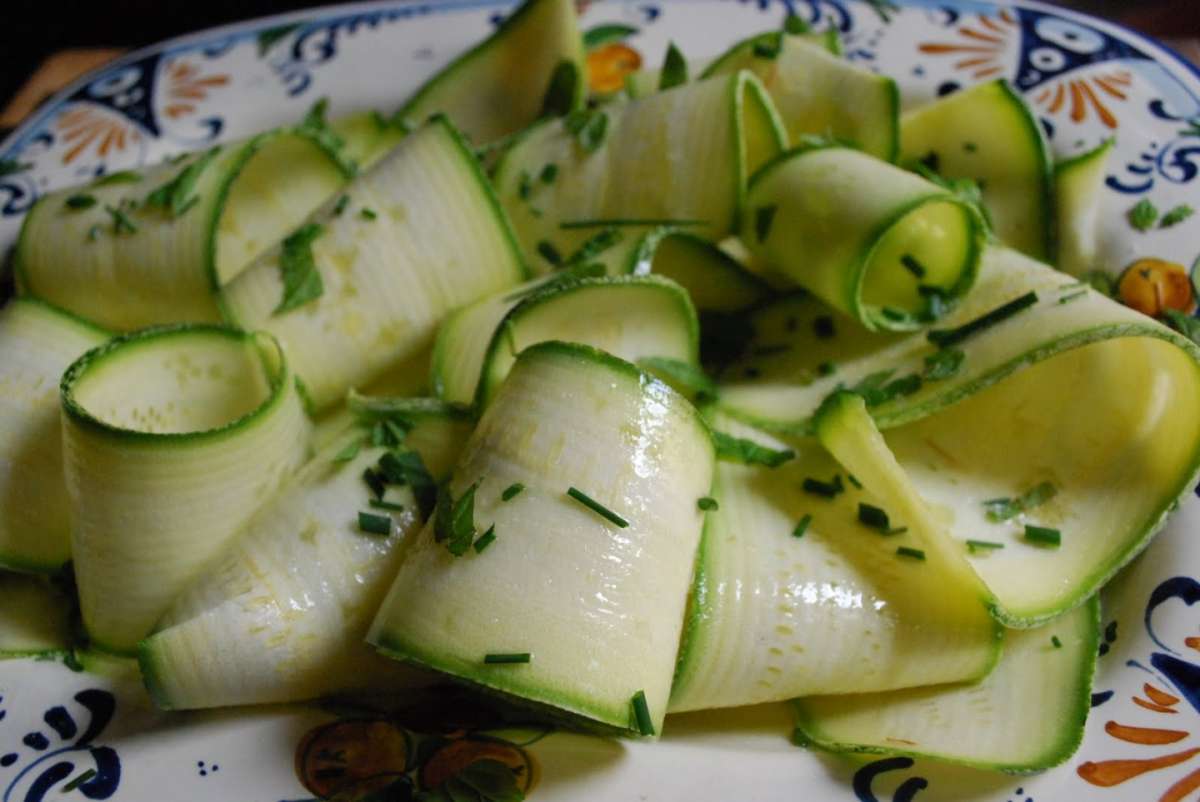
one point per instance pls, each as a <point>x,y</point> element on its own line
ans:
<point>793,596</point>
<point>820,94</point>
<point>38,342</point>
<point>884,257</point>
<point>499,86</point>
<point>1027,715</point>
<point>282,615</point>
<point>631,317</point>
<point>155,248</point>
<point>1076,391</point>
<point>1078,191</point>
<point>759,51</point>
<point>679,155</point>
<point>604,570</point>
<point>420,235</point>
<point>715,281</point>
<point>172,438</point>
<point>35,616</point>
<point>988,134</point>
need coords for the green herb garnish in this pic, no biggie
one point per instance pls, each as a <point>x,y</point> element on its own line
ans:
<point>177,195</point>
<point>675,69</point>
<point>1072,296</point>
<point>826,369</point>
<point>315,128</point>
<point>830,489</point>
<point>485,539</point>
<point>823,327</point>
<point>548,173</point>
<point>943,363</point>
<point>912,265</point>
<point>10,166</point>
<point>78,781</point>
<point>1176,216</point>
<point>301,278</point>
<point>802,526</point>
<point>1055,642</point>
<point>547,251</point>
<point>512,491</point>
<point>390,506</point>
<point>748,452</point>
<point>597,507</point>
<point>589,127</point>
<point>349,452</point>
<point>915,554</point>
<point>507,658</point>
<point>874,517</point>
<point>641,714</point>
<point>707,504</point>
<point>1043,536</point>
<point>524,185</point>
<point>80,201</point>
<point>764,217</point>
<point>341,205</point>
<point>454,524</point>
<point>593,246</point>
<point>768,46</point>
<point>944,338</point>
<point>367,213</point>
<point>374,524</point>
<point>976,546</point>
<point>1001,509</point>
<point>121,223</point>
<point>794,25</point>
<point>1143,215</point>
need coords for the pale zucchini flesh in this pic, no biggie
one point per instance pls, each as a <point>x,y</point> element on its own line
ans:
<point>608,602</point>
<point>38,342</point>
<point>432,238</point>
<point>1027,715</point>
<point>874,256</point>
<point>158,487</point>
<point>793,596</point>
<point>282,615</point>
<point>988,134</point>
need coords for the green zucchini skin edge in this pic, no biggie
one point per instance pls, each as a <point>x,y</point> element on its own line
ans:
<point>906,414</point>
<point>1046,164</point>
<point>1082,158</point>
<point>1059,753</point>
<point>484,392</point>
<point>857,273</point>
<point>278,380</point>
<point>746,83</point>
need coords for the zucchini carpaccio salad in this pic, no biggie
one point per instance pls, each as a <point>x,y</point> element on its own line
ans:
<point>731,385</point>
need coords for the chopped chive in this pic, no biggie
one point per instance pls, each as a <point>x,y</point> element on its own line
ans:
<point>546,249</point>
<point>549,173</point>
<point>341,205</point>
<point>823,327</point>
<point>976,546</point>
<point>707,503</point>
<point>641,714</point>
<point>589,127</point>
<point>78,781</point>
<point>454,521</point>
<point>854,481</point>
<point>525,185</point>
<point>802,526</point>
<point>349,452</point>
<point>367,213</point>
<point>121,222</point>
<point>392,506</point>
<point>374,524</point>
<point>485,540</point>
<point>631,221</point>
<point>93,233</point>
<point>947,337</point>
<point>1001,509</point>
<point>396,432</point>
<point>1043,536</point>
<point>764,217</point>
<point>912,265</point>
<point>830,489</point>
<point>1066,299</point>
<point>301,278</point>
<point>1055,642</point>
<point>915,554</point>
<point>597,507</point>
<point>593,246</point>
<point>826,369</point>
<point>512,491</point>
<point>375,481</point>
<point>943,363</point>
<point>507,658</point>
<point>80,201</point>
<point>970,147</point>
<point>873,517</point>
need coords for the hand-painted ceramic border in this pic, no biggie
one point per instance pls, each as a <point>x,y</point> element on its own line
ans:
<point>66,735</point>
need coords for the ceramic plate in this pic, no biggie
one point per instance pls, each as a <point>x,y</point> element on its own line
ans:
<point>1087,80</point>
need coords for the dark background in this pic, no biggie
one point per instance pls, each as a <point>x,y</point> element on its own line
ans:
<point>33,29</point>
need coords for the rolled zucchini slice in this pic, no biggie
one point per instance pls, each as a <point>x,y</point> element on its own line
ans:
<point>679,155</point>
<point>885,257</point>
<point>39,342</point>
<point>501,85</point>
<point>282,615</point>
<point>631,317</point>
<point>587,473</point>
<point>143,248</point>
<point>819,93</point>
<point>1078,193</point>
<point>1108,419</point>
<point>172,438</point>
<point>1025,716</point>
<point>988,134</point>
<point>35,616</point>
<point>360,289</point>
<point>794,596</point>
